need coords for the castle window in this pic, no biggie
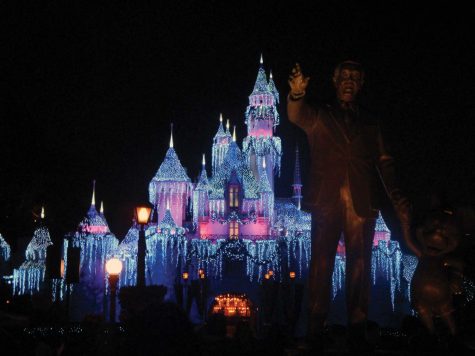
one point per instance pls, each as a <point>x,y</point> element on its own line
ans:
<point>233,230</point>
<point>233,196</point>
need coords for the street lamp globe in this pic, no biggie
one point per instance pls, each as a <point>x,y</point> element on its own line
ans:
<point>114,266</point>
<point>143,214</point>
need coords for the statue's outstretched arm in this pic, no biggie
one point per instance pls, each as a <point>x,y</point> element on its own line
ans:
<point>298,111</point>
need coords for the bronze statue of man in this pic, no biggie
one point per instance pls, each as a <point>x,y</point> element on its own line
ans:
<point>348,155</point>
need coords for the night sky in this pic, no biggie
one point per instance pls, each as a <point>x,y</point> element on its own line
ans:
<point>89,92</point>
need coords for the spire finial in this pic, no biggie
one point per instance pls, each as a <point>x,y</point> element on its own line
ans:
<point>261,61</point>
<point>227,124</point>
<point>171,135</point>
<point>221,117</point>
<point>42,212</point>
<point>270,75</point>
<point>234,133</point>
<point>93,201</point>
<point>264,163</point>
<point>102,207</point>
<point>203,162</point>
<point>168,203</point>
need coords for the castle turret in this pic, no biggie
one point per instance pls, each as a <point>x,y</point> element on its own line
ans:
<point>171,183</point>
<point>261,119</point>
<point>381,231</point>
<point>220,145</point>
<point>266,193</point>
<point>200,195</point>
<point>297,185</point>
<point>27,279</point>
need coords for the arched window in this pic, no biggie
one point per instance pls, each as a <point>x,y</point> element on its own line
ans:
<point>233,230</point>
<point>234,196</point>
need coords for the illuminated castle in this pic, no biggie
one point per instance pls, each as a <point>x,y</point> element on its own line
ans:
<point>236,223</point>
<point>236,217</point>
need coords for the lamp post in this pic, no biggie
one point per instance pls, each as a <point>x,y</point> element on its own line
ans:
<point>143,214</point>
<point>113,268</point>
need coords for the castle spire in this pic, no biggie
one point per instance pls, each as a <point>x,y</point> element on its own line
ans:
<point>203,162</point>
<point>102,208</point>
<point>93,200</point>
<point>42,212</point>
<point>297,185</point>
<point>261,61</point>
<point>227,125</point>
<point>234,134</point>
<point>171,136</point>
<point>273,88</point>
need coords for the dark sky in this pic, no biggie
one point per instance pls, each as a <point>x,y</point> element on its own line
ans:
<point>89,91</point>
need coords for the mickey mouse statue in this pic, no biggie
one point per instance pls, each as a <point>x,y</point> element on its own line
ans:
<point>439,273</point>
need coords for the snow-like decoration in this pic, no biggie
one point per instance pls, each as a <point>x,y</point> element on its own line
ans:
<point>234,162</point>
<point>289,219</point>
<point>262,102</point>
<point>28,277</point>
<point>170,170</point>
<point>96,241</point>
<point>267,195</point>
<point>221,142</point>
<point>263,146</point>
<point>36,249</point>
<point>200,196</point>
<point>409,265</point>
<point>381,224</point>
<point>386,263</point>
<point>5,250</point>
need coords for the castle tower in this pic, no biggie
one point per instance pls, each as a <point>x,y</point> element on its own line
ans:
<point>297,185</point>
<point>28,278</point>
<point>381,231</point>
<point>261,119</point>
<point>170,184</point>
<point>200,195</point>
<point>266,194</point>
<point>220,145</point>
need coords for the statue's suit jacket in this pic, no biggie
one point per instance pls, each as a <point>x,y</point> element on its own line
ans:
<point>362,157</point>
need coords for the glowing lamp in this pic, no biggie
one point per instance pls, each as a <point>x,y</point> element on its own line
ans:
<point>185,276</point>
<point>62,268</point>
<point>201,271</point>
<point>114,266</point>
<point>292,275</point>
<point>202,275</point>
<point>143,214</point>
<point>267,276</point>
<point>270,272</point>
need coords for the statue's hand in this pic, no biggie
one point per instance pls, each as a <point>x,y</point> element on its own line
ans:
<point>297,82</point>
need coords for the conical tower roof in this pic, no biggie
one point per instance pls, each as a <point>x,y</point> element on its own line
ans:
<point>380,224</point>
<point>171,169</point>
<point>261,85</point>
<point>221,131</point>
<point>203,180</point>
<point>36,249</point>
<point>264,184</point>
<point>273,88</point>
<point>167,221</point>
<point>94,222</point>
